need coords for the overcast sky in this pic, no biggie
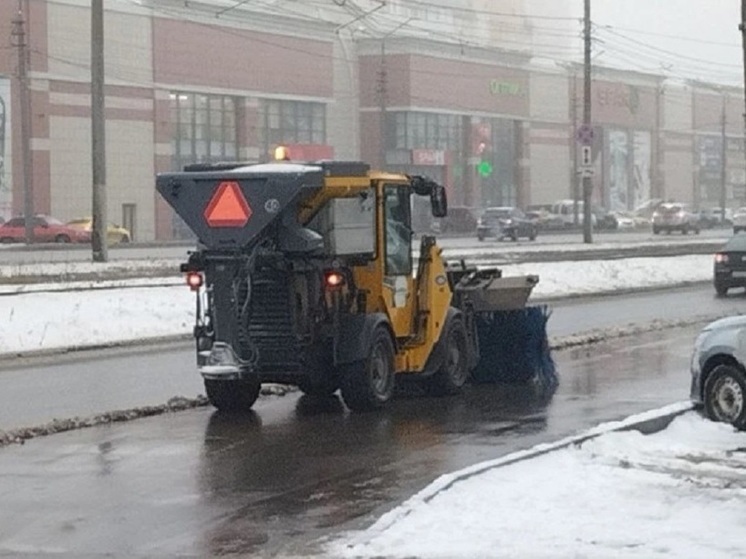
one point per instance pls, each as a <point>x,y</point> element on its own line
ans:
<point>689,38</point>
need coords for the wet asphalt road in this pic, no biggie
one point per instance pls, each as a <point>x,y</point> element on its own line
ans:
<point>38,390</point>
<point>194,484</point>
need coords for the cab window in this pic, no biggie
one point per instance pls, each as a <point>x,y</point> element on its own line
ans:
<point>398,230</point>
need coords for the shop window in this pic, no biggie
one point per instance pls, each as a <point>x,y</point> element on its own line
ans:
<point>204,128</point>
<point>290,122</point>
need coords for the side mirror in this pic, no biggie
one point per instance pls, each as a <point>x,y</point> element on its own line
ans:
<point>438,201</point>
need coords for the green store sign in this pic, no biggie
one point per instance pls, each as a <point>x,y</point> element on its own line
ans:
<point>498,87</point>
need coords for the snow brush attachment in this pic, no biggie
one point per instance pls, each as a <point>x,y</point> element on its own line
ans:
<point>514,348</point>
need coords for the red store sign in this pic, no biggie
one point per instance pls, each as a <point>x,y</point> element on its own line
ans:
<point>428,157</point>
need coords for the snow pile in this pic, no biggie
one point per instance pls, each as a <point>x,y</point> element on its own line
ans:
<point>678,493</point>
<point>53,316</point>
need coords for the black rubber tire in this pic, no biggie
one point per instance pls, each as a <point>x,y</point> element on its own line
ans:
<point>725,396</point>
<point>533,235</point>
<point>480,238</point>
<point>62,239</point>
<point>368,384</point>
<point>321,389</point>
<point>232,396</point>
<point>453,373</point>
<point>125,239</point>
<point>721,290</point>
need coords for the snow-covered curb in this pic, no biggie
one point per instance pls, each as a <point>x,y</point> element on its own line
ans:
<point>446,481</point>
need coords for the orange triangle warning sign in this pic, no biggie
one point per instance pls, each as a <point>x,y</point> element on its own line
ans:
<point>228,207</point>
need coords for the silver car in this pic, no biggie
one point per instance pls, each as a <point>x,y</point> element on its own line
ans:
<point>670,217</point>
<point>718,371</point>
<point>739,220</point>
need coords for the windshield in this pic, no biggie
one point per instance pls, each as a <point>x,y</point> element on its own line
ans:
<point>736,244</point>
<point>497,213</point>
<point>347,225</point>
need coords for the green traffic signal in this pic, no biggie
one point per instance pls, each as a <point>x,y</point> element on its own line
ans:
<point>484,168</point>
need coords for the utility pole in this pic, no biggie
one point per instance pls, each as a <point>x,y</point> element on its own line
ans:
<point>383,89</point>
<point>574,151</point>
<point>18,36</point>
<point>742,28</point>
<point>383,102</point>
<point>98,133</point>
<point>723,161</point>
<point>587,180</point>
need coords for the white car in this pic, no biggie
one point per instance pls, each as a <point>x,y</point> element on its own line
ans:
<point>718,383</point>
<point>739,220</point>
<point>675,217</point>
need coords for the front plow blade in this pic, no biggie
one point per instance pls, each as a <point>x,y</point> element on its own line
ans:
<point>514,348</point>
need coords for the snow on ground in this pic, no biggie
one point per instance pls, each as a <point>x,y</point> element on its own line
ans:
<point>34,318</point>
<point>679,493</point>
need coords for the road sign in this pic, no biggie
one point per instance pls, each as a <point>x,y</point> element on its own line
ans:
<point>585,156</point>
<point>584,135</point>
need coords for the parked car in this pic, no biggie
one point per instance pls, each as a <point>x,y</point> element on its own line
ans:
<point>506,222</point>
<point>713,217</point>
<point>739,220</point>
<point>114,233</point>
<point>565,209</point>
<point>543,217</point>
<point>718,365</point>
<point>46,230</point>
<point>625,220</point>
<point>673,216</point>
<point>605,220</point>
<point>730,265</point>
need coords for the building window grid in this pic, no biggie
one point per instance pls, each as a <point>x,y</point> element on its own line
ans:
<point>417,130</point>
<point>204,128</point>
<point>291,122</point>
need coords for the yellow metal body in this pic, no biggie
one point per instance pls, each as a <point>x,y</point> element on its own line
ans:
<point>416,304</point>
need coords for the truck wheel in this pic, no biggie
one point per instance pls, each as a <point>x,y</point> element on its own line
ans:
<point>318,388</point>
<point>725,396</point>
<point>368,384</point>
<point>62,239</point>
<point>721,290</point>
<point>656,231</point>
<point>453,373</point>
<point>532,236</point>
<point>232,395</point>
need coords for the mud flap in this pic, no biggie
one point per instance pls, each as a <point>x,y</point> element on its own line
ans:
<point>353,336</point>
<point>514,348</point>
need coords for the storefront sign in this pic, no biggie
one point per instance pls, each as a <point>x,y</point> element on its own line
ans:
<point>309,152</point>
<point>619,97</point>
<point>428,157</point>
<point>512,89</point>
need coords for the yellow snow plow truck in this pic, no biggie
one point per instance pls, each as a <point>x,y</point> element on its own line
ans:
<point>305,275</point>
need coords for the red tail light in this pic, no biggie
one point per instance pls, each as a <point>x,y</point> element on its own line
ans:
<point>721,258</point>
<point>194,280</point>
<point>334,279</point>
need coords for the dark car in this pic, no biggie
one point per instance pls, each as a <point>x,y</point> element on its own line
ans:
<point>718,381</point>
<point>459,219</point>
<point>605,220</point>
<point>730,265</point>
<point>46,230</point>
<point>506,222</point>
